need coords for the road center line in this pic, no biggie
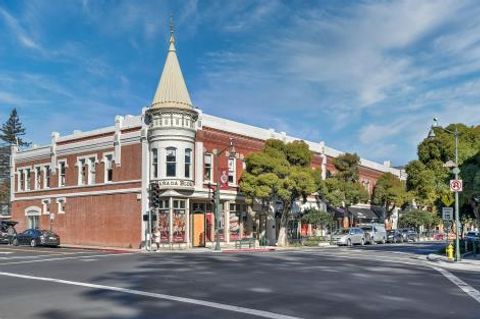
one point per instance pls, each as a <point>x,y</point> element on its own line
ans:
<point>249,311</point>
<point>466,288</point>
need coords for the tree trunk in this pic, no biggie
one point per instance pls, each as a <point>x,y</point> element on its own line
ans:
<point>282,234</point>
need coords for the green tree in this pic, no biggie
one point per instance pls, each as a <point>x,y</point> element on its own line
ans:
<point>281,172</point>
<point>389,192</point>
<point>417,218</point>
<point>347,167</point>
<point>12,130</point>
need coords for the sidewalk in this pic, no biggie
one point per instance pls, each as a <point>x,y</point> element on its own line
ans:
<point>101,248</point>
<point>468,262</point>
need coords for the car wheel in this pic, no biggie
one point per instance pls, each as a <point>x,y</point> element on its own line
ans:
<point>33,243</point>
<point>349,242</point>
<point>363,242</point>
<point>384,240</point>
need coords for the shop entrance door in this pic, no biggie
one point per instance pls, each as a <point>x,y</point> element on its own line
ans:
<point>198,230</point>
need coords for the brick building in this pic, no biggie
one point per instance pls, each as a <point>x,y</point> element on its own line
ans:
<point>92,187</point>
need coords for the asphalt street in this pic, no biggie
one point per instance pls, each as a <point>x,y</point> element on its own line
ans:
<point>381,281</point>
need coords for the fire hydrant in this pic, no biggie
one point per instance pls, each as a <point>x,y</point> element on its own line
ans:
<point>450,252</point>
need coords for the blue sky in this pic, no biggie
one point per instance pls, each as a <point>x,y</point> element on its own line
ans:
<point>364,76</point>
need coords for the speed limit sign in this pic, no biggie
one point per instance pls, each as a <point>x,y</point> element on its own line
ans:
<point>456,185</point>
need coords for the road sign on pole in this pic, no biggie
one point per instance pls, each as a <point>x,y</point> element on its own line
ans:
<point>447,213</point>
<point>456,185</point>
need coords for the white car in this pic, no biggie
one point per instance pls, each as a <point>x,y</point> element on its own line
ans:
<point>374,233</point>
<point>349,236</point>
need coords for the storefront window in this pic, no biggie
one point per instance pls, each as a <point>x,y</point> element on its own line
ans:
<point>235,215</point>
<point>163,225</point>
<point>179,221</point>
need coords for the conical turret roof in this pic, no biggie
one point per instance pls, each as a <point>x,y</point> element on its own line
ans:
<point>172,90</point>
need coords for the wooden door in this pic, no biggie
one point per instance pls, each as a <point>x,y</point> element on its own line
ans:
<point>198,230</point>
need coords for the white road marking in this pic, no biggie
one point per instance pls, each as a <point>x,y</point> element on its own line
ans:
<point>61,258</point>
<point>249,311</point>
<point>5,252</point>
<point>469,290</point>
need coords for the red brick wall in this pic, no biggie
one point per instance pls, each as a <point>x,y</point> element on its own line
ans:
<point>107,220</point>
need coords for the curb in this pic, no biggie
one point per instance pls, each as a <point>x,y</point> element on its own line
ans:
<point>99,248</point>
<point>248,250</point>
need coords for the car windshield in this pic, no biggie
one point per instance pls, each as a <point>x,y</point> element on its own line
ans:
<point>342,231</point>
<point>366,228</point>
<point>47,233</point>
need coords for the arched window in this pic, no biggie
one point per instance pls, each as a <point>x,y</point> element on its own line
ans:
<point>188,162</point>
<point>171,162</point>
<point>154,163</point>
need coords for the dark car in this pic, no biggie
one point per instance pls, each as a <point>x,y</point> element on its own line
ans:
<point>36,237</point>
<point>409,234</point>
<point>472,236</point>
<point>394,236</point>
<point>4,224</point>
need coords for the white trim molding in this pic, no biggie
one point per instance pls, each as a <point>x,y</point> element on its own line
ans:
<point>46,206</point>
<point>33,211</point>
<point>61,201</point>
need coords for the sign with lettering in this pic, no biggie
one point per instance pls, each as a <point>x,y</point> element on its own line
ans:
<point>174,183</point>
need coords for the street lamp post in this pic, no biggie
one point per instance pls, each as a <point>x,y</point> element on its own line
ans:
<point>231,153</point>
<point>456,171</point>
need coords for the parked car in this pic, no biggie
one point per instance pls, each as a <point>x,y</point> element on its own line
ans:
<point>472,236</point>
<point>4,224</point>
<point>349,236</point>
<point>409,234</point>
<point>374,233</point>
<point>394,236</point>
<point>36,237</point>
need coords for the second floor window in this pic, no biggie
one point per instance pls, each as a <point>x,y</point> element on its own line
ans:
<point>21,179</point>
<point>108,168</point>
<point>47,176</point>
<point>38,177</point>
<point>171,162</point>
<point>154,163</point>
<point>62,174</point>
<point>27,180</point>
<point>207,167</point>
<point>188,162</point>
<point>83,170</point>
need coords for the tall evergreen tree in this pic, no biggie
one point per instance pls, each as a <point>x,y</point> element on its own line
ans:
<point>12,130</point>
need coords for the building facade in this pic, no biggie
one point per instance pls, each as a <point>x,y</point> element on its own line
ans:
<point>92,188</point>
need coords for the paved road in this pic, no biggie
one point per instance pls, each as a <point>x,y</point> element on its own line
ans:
<point>383,281</point>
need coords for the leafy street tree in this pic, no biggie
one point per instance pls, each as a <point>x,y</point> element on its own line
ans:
<point>428,179</point>
<point>390,193</point>
<point>343,189</point>
<point>417,218</point>
<point>347,167</point>
<point>281,172</point>
<point>12,130</point>
<point>317,217</point>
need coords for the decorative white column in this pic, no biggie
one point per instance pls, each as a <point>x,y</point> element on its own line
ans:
<point>53,152</point>
<point>117,140</point>
<point>198,164</point>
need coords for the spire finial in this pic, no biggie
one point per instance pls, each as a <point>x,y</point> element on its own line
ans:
<point>172,27</point>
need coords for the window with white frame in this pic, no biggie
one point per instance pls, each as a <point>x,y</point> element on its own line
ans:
<point>46,206</point>
<point>108,162</point>
<point>21,180</point>
<point>171,162</point>
<point>154,163</point>
<point>188,162</point>
<point>62,173</point>
<point>86,170</point>
<point>46,172</point>
<point>61,205</point>
<point>38,177</point>
<point>208,167</point>
<point>27,179</point>
<point>232,171</point>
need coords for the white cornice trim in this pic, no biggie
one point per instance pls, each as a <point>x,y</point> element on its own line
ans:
<point>82,194</point>
<point>81,186</point>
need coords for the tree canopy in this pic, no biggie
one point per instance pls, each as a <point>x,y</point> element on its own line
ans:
<point>389,192</point>
<point>281,172</point>
<point>12,130</point>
